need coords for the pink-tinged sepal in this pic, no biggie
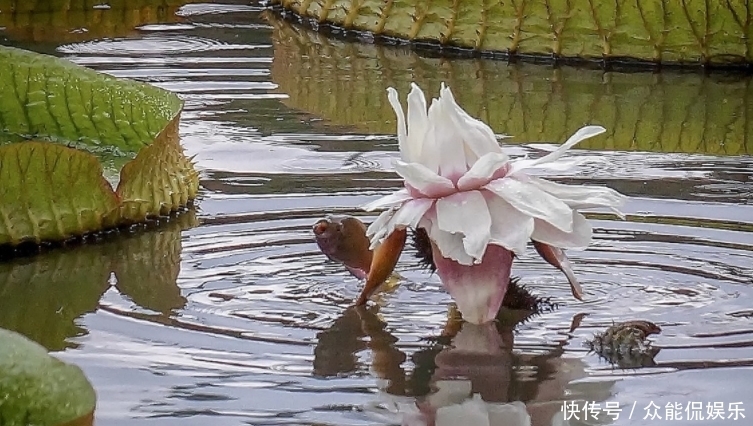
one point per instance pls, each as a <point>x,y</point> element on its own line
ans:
<point>477,289</point>
<point>557,258</point>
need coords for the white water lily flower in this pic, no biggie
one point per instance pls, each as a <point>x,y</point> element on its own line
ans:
<point>478,206</point>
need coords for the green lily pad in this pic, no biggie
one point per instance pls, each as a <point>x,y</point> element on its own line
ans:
<point>158,179</point>
<point>48,98</point>
<point>38,389</point>
<point>345,83</point>
<point>73,197</point>
<point>59,123</point>
<point>689,32</point>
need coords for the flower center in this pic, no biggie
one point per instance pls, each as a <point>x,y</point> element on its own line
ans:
<point>472,183</point>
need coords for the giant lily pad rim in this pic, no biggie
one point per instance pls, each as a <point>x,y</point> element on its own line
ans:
<point>450,50</point>
<point>29,249</point>
<point>52,190</point>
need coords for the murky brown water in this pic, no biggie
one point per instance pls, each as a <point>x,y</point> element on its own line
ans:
<point>231,315</point>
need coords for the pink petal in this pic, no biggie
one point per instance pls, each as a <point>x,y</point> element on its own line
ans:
<point>483,171</point>
<point>478,290</point>
<point>423,180</point>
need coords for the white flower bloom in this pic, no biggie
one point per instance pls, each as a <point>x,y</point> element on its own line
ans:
<point>478,206</point>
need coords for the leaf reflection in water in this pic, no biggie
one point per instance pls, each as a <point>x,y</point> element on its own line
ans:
<point>344,83</point>
<point>47,294</point>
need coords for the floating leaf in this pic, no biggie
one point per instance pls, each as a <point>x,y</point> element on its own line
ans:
<point>345,83</point>
<point>37,389</point>
<point>52,192</point>
<point>44,97</point>
<point>49,190</point>
<point>159,180</point>
<point>690,31</point>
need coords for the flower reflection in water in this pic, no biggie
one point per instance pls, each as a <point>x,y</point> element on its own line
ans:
<point>469,375</point>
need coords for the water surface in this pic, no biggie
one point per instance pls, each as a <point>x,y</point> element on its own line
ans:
<point>231,316</point>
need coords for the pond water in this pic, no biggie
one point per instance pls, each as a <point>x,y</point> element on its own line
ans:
<point>231,315</point>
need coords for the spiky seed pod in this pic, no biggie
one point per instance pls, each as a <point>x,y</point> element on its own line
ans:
<point>626,344</point>
<point>422,244</point>
<point>520,298</point>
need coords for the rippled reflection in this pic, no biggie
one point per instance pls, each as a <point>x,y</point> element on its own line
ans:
<point>46,294</point>
<point>81,20</point>
<point>669,112</point>
<point>464,360</point>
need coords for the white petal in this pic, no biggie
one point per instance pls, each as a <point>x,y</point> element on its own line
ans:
<point>402,133</point>
<point>409,214</point>
<point>477,136</point>
<point>510,228</point>
<point>447,141</point>
<point>567,164</point>
<point>532,201</point>
<point>378,228</point>
<point>391,200</point>
<point>466,213</point>
<point>413,211</point>
<point>417,125</point>
<point>449,245</point>
<point>430,154</point>
<point>582,196</point>
<point>582,134</point>
<point>482,171</point>
<point>580,237</point>
<point>424,180</point>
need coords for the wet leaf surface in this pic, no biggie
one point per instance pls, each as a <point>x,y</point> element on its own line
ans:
<point>38,389</point>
